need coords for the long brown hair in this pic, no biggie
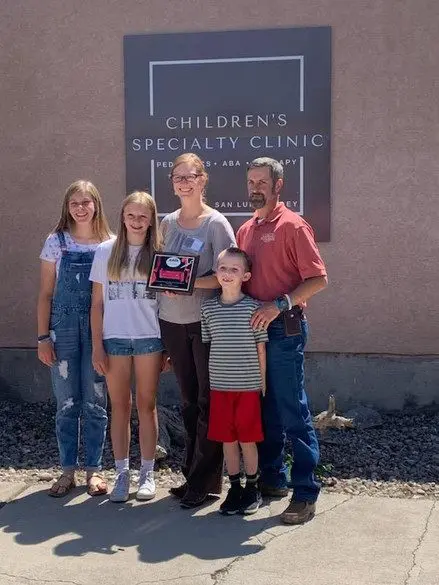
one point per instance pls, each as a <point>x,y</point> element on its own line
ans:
<point>192,159</point>
<point>100,226</point>
<point>119,260</point>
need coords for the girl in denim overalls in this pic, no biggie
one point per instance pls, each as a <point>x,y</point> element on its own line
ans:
<point>64,335</point>
<point>126,337</point>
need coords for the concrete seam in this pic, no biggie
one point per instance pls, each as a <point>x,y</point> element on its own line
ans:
<point>419,544</point>
<point>298,526</point>
<point>171,579</point>
<point>258,540</point>
<point>220,574</point>
<point>12,498</point>
<point>216,576</point>
<point>31,580</point>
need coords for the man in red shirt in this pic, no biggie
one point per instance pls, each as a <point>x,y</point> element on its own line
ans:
<point>287,271</point>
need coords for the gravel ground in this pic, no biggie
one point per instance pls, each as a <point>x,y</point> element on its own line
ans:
<point>399,459</point>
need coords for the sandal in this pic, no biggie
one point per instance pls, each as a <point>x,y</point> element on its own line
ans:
<point>62,486</point>
<point>96,485</point>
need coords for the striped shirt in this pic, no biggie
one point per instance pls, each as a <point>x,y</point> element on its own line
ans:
<point>233,361</point>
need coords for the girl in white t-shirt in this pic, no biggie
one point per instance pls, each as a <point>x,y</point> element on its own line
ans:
<point>126,335</point>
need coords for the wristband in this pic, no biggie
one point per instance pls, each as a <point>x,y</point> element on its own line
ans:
<point>282,304</point>
<point>43,338</point>
<point>290,303</point>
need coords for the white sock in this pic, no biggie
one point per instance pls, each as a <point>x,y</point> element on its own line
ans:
<point>122,465</point>
<point>147,464</point>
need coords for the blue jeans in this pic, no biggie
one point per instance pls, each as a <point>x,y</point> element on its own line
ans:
<point>131,347</point>
<point>79,391</point>
<point>285,412</point>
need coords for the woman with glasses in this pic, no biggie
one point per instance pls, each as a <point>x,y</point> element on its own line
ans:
<point>194,228</point>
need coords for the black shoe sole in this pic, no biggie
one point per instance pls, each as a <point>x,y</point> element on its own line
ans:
<point>246,512</point>
<point>302,520</point>
<point>189,505</point>
<point>208,498</point>
<point>228,512</point>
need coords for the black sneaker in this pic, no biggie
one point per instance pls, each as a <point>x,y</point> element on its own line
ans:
<point>193,499</point>
<point>179,491</point>
<point>251,499</point>
<point>232,503</point>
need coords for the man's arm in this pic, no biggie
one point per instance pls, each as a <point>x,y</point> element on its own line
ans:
<point>262,318</point>
<point>307,289</point>
<point>207,282</point>
<point>262,358</point>
<point>306,257</point>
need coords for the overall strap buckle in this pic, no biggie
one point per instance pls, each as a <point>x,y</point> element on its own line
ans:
<point>62,241</point>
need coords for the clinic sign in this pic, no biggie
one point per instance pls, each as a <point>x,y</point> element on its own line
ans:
<point>231,97</point>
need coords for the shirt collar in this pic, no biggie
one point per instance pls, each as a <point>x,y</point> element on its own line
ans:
<point>273,216</point>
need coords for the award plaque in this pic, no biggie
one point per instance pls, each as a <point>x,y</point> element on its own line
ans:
<point>173,272</point>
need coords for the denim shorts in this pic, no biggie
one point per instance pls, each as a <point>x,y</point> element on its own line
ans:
<point>130,347</point>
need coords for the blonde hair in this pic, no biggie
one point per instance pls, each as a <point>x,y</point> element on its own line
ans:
<point>100,226</point>
<point>119,260</point>
<point>192,159</point>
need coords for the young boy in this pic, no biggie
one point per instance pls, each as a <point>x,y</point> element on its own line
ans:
<point>237,378</point>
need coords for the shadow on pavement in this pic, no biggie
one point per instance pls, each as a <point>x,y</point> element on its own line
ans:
<point>159,529</point>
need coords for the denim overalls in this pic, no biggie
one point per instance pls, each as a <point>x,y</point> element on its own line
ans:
<point>79,391</point>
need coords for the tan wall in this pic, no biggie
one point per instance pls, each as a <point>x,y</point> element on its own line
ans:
<point>62,117</point>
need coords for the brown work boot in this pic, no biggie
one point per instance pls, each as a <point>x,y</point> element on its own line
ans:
<point>298,512</point>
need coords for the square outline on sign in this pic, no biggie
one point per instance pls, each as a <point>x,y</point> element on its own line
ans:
<point>235,60</point>
<point>300,58</point>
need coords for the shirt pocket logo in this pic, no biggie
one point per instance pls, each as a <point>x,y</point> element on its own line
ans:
<point>270,237</point>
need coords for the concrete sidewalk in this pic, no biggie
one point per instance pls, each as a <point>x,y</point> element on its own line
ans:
<point>86,541</point>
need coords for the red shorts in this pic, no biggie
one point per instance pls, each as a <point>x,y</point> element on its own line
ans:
<point>235,416</point>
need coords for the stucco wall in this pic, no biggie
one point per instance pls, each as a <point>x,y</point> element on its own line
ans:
<point>62,117</point>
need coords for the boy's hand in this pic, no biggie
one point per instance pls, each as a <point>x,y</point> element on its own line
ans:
<point>100,360</point>
<point>263,316</point>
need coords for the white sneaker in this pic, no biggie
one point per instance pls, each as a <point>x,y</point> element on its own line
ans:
<point>121,488</point>
<point>146,489</point>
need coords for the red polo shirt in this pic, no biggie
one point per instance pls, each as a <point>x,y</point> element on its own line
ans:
<point>283,252</point>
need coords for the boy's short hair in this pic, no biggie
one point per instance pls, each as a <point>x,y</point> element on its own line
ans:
<point>235,251</point>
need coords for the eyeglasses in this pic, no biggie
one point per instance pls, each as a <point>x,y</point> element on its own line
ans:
<point>78,204</point>
<point>188,178</point>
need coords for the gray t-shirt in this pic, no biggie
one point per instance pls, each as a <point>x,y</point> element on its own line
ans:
<point>207,241</point>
